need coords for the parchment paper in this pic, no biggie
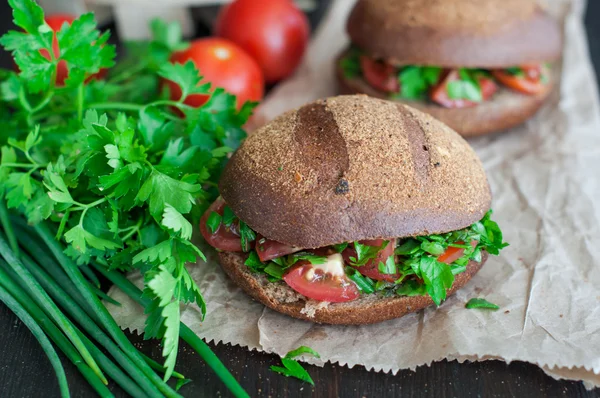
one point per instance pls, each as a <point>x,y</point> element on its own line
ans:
<point>546,183</point>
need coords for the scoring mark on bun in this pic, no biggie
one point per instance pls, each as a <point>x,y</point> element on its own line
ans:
<point>320,144</point>
<point>419,147</point>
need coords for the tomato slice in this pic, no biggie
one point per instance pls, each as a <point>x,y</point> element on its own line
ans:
<point>531,83</point>
<point>439,93</point>
<point>379,75</point>
<point>269,249</point>
<point>454,253</point>
<point>224,238</point>
<point>320,286</point>
<point>371,268</point>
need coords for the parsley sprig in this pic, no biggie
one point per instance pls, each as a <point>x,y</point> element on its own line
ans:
<point>291,367</point>
<point>118,174</point>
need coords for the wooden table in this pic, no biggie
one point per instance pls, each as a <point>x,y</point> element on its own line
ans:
<point>25,371</point>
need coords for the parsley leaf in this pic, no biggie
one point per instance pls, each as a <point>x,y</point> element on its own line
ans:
<point>213,222</point>
<point>350,63</point>
<point>437,277</point>
<point>415,81</point>
<point>481,303</point>
<point>292,368</point>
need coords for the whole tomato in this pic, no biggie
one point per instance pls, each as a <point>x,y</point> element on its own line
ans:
<point>223,64</point>
<point>274,32</point>
<point>55,22</point>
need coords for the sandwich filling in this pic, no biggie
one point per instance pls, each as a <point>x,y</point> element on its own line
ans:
<point>419,265</point>
<point>450,88</point>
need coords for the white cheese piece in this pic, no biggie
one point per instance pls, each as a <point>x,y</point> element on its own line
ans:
<point>333,266</point>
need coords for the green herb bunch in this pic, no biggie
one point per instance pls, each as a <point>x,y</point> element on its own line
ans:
<point>119,170</point>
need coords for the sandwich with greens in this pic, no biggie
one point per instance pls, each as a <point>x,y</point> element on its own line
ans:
<point>352,210</point>
<point>478,66</point>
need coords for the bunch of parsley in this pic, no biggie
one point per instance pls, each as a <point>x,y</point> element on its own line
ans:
<point>117,174</point>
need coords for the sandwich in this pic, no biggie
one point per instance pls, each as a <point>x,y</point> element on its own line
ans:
<point>352,210</point>
<point>479,66</point>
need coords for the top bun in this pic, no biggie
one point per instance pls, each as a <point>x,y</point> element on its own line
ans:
<point>455,33</point>
<point>353,167</point>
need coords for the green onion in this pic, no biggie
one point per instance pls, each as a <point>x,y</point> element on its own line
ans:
<point>53,332</point>
<point>71,307</point>
<point>48,305</point>
<point>106,320</point>
<point>8,230</point>
<point>184,332</point>
<point>38,333</point>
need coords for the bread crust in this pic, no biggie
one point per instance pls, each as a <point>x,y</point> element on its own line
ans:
<point>350,168</point>
<point>365,310</point>
<point>455,33</point>
<point>505,110</point>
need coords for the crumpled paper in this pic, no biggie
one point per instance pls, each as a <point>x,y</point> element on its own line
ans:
<point>545,179</point>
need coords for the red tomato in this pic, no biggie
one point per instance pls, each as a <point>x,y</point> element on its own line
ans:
<point>223,64</point>
<point>269,249</point>
<point>379,75</point>
<point>371,268</point>
<point>224,238</point>
<point>454,253</point>
<point>530,84</point>
<point>62,72</point>
<point>56,22</point>
<point>439,93</point>
<point>273,32</point>
<point>320,286</point>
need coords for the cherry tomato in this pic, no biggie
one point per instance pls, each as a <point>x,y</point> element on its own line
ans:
<point>439,93</point>
<point>379,75</point>
<point>273,32</point>
<point>224,238</point>
<point>269,249</point>
<point>371,268</point>
<point>531,83</point>
<point>223,64</point>
<point>454,253</point>
<point>319,286</point>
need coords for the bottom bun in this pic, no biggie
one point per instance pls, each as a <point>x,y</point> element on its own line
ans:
<point>369,308</point>
<point>505,110</point>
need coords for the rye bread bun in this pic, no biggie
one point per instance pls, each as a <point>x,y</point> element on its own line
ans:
<point>369,308</point>
<point>506,109</point>
<point>353,167</point>
<point>455,33</point>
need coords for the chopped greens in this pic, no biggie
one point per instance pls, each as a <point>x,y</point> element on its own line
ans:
<point>350,64</point>
<point>292,368</point>
<point>364,253</point>
<point>213,222</point>
<point>481,303</point>
<point>415,81</point>
<point>415,260</point>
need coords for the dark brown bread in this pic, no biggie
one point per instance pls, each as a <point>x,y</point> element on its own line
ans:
<point>369,308</point>
<point>350,168</point>
<point>506,109</point>
<point>455,33</point>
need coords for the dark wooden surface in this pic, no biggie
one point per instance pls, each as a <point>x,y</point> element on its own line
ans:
<point>25,371</point>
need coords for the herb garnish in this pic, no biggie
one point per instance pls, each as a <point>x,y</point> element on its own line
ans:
<point>415,81</point>
<point>481,303</point>
<point>292,368</point>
